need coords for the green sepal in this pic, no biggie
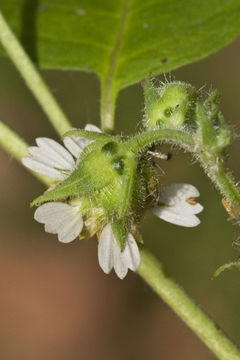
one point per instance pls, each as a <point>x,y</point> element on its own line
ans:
<point>205,132</point>
<point>119,228</point>
<point>127,186</point>
<point>212,131</point>
<point>150,92</point>
<point>212,102</point>
<point>225,136</point>
<point>223,133</point>
<point>75,184</point>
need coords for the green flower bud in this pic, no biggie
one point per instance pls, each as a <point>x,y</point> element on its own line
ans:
<point>212,129</point>
<point>224,134</point>
<point>170,105</point>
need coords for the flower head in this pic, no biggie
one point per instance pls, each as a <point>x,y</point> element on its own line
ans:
<point>104,188</point>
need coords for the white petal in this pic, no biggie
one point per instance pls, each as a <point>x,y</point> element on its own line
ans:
<point>110,256</point>
<point>188,208</point>
<point>41,168</point>
<point>76,144</point>
<point>166,213</point>
<point>131,253</point>
<point>176,208</point>
<point>49,158</point>
<point>119,263</point>
<point>90,127</point>
<point>105,249</point>
<point>60,218</point>
<point>175,194</point>
<point>53,149</point>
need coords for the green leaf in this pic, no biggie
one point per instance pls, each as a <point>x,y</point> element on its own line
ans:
<point>122,40</point>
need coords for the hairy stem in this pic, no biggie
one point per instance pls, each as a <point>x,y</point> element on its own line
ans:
<point>33,79</point>
<point>147,138</point>
<point>213,337</point>
<point>212,164</point>
<point>214,167</point>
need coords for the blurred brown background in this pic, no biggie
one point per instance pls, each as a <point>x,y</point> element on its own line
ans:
<point>55,301</point>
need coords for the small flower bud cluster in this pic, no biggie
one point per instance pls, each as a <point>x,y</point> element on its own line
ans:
<point>212,132</point>
<point>170,105</point>
<point>177,105</point>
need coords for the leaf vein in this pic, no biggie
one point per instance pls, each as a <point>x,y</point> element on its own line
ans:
<point>77,42</point>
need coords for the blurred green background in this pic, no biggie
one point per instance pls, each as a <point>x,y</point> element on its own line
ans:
<point>55,301</point>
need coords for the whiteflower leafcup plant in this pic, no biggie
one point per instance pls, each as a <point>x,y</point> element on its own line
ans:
<point>103,184</point>
<point>104,187</point>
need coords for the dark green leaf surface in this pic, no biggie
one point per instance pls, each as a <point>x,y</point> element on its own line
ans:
<point>121,40</point>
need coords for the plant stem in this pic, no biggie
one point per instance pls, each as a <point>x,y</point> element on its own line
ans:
<point>33,79</point>
<point>223,180</point>
<point>12,142</point>
<point>17,147</point>
<point>147,138</point>
<point>107,108</point>
<point>212,164</point>
<point>151,271</point>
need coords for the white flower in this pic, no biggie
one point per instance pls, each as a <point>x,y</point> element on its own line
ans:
<point>177,205</point>
<point>60,218</point>
<point>110,256</point>
<point>51,159</point>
